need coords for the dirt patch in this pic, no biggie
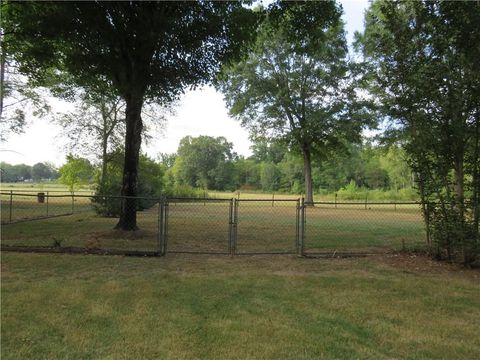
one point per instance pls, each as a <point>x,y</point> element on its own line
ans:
<point>423,263</point>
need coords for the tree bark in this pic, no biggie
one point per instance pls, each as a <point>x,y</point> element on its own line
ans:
<point>133,139</point>
<point>307,173</point>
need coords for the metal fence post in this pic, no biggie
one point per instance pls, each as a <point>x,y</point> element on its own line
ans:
<point>302,229</point>
<point>165,226</point>
<point>160,227</point>
<point>11,206</point>
<point>235,226</point>
<point>297,226</point>
<point>230,228</point>
<point>73,203</point>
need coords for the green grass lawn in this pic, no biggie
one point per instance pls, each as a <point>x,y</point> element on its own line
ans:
<point>250,307</point>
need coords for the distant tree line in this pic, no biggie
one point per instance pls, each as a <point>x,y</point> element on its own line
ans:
<point>210,163</point>
<point>21,172</point>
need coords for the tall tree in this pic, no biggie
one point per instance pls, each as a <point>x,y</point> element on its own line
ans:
<point>147,50</point>
<point>426,74</point>
<point>294,85</point>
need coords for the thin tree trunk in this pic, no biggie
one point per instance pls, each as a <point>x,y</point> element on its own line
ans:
<point>476,178</point>
<point>133,139</point>
<point>307,172</point>
<point>104,147</point>
<point>104,162</point>
<point>2,80</point>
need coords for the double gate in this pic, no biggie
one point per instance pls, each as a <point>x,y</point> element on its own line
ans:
<point>231,226</point>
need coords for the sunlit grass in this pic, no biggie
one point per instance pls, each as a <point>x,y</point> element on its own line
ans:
<point>215,307</point>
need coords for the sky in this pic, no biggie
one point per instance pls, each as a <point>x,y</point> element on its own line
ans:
<point>199,112</point>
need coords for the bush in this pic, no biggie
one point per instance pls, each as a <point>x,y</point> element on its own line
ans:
<point>107,200</point>
<point>185,191</point>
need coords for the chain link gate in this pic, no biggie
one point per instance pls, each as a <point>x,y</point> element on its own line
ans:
<point>230,226</point>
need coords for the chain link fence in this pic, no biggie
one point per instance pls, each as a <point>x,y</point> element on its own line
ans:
<point>213,226</point>
<point>267,226</point>
<point>198,225</point>
<point>355,227</point>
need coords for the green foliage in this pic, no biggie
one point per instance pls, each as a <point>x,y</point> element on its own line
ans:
<point>150,185</point>
<point>426,76</point>
<point>76,172</point>
<point>352,192</point>
<point>22,172</point>
<point>295,85</point>
<point>204,162</point>
<point>141,50</point>
<point>270,177</point>
<point>185,191</point>
<point>247,174</point>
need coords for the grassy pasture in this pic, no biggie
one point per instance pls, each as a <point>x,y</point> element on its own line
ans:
<point>204,226</point>
<point>248,307</point>
<point>25,206</point>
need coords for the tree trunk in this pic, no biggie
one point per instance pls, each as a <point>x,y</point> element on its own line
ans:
<point>476,178</point>
<point>133,139</point>
<point>307,173</point>
<point>104,148</point>
<point>2,81</point>
<point>104,163</point>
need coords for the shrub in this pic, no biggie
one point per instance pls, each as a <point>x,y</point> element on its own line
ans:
<point>107,202</point>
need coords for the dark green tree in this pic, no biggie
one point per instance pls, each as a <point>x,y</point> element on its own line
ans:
<point>41,171</point>
<point>426,75</point>
<point>146,50</point>
<point>205,162</point>
<point>295,85</point>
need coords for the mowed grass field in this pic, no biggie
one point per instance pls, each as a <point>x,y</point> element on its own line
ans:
<point>247,307</point>
<point>262,227</point>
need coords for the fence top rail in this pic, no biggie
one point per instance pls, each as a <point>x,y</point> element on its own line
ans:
<point>369,203</point>
<point>45,191</point>
<point>81,196</point>
<point>268,200</point>
<point>186,199</point>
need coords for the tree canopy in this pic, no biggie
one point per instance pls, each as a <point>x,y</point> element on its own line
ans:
<point>425,74</point>
<point>295,85</point>
<point>205,162</point>
<point>145,50</point>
